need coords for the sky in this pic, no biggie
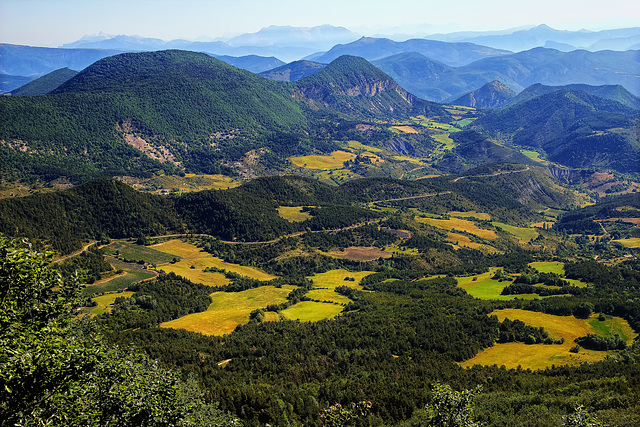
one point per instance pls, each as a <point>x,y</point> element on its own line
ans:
<point>55,22</point>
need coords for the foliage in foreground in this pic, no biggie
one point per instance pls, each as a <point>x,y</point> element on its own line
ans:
<point>55,370</point>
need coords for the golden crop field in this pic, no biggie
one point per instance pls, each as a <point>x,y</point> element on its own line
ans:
<point>293,213</point>
<point>192,256</point>
<point>334,161</point>
<point>310,311</point>
<point>460,225</point>
<point>632,242</point>
<point>540,356</point>
<point>230,309</point>
<point>334,278</point>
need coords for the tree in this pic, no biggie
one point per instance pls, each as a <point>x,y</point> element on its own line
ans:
<point>450,408</point>
<point>56,370</point>
<point>582,418</point>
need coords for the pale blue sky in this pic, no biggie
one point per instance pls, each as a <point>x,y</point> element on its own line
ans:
<point>54,22</point>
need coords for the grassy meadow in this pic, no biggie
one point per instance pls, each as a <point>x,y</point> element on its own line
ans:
<point>484,287</point>
<point>333,161</point>
<point>523,234</point>
<point>135,252</point>
<point>360,253</point>
<point>311,311</point>
<point>632,242</point>
<point>230,309</point>
<point>293,213</point>
<point>104,303</point>
<point>541,356</point>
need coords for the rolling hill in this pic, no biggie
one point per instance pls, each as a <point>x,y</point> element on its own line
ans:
<point>45,84</point>
<point>575,128</point>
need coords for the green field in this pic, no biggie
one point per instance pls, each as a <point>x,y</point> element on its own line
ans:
<point>541,356</point>
<point>310,311</point>
<point>131,274</point>
<point>484,287</point>
<point>135,252</point>
<point>462,240</point>
<point>557,268</point>
<point>230,309</point>
<point>523,234</point>
<point>356,145</point>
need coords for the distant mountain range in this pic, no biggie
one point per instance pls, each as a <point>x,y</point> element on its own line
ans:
<point>545,36</point>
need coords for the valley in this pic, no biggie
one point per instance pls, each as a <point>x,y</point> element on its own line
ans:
<point>276,247</point>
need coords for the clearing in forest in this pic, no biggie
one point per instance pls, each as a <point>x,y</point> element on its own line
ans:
<point>230,309</point>
<point>311,311</point>
<point>460,225</point>
<point>541,356</point>
<point>404,129</point>
<point>333,161</point>
<point>293,213</point>
<point>557,268</point>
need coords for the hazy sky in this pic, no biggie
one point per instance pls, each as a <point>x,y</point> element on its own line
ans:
<point>54,22</point>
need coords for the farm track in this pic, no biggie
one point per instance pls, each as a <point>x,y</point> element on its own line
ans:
<point>491,174</point>
<point>76,253</point>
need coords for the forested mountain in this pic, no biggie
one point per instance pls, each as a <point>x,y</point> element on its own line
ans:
<point>575,128</point>
<point>490,96</point>
<point>356,88</point>
<point>44,84</point>
<point>611,92</point>
<point>293,71</point>
<point>254,63</point>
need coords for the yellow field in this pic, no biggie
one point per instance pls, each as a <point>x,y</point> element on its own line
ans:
<point>230,309</point>
<point>334,278</point>
<point>464,241</point>
<point>192,256</point>
<point>196,275</point>
<point>328,295</point>
<point>523,234</point>
<point>310,311</point>
<point>334,161</point>
<point>472,214</point>
<point>633,242</point>
<point>293,213</point>
<point>459,224</point>
<point>540,356</point>
<point>405,129</point>
<point>105,302</point>
<point>179,248</point>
